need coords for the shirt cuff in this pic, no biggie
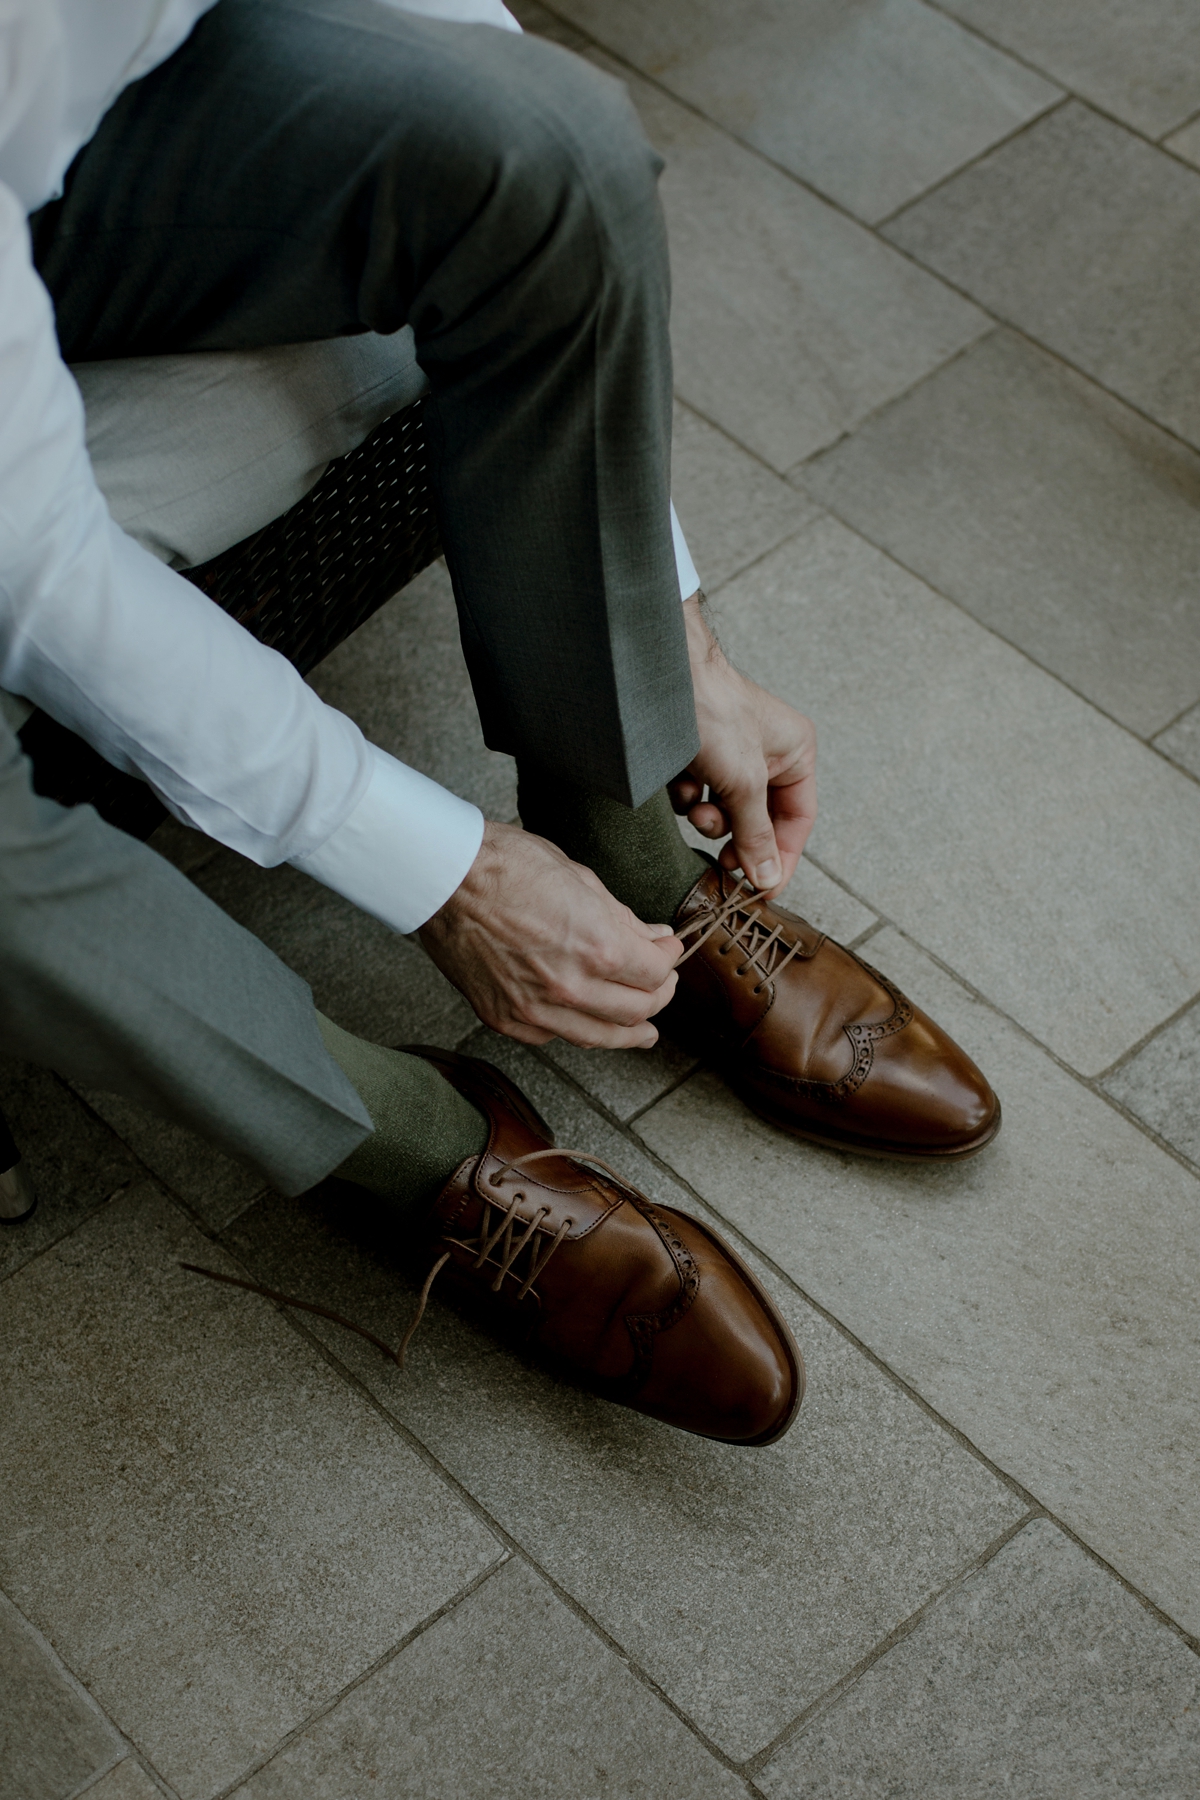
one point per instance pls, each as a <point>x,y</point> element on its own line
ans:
<point>404,849</point>
<point>689,581</point>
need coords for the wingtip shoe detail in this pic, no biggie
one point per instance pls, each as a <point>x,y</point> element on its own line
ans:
<point>640,1303</point>
<point>814,1039</point>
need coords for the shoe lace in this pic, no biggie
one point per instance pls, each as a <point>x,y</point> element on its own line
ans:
<point>769,951</point>
<point>497,1243</point>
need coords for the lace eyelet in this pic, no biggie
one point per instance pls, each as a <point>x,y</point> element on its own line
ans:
<point>495,1178</point>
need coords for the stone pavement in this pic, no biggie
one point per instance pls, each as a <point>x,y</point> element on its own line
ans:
<point>938,347</point>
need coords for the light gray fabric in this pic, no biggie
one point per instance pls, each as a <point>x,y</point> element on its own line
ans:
<point>195,452</point>
<point>120,974</point>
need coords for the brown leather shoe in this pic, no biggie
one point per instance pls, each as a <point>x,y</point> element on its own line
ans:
<point>814,1039</point>
<point>637,1302</point>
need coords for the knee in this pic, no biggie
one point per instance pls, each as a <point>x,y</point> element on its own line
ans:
<point>566,149</point>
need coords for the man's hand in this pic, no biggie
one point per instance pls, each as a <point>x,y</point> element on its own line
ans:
<point>758,760</point>
<point>541,949</point>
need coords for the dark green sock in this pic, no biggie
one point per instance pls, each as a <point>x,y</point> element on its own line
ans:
<point>423,1127</point>
<point>637,852</point>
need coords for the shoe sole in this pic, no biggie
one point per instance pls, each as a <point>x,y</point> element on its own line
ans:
<point>881,1152</point>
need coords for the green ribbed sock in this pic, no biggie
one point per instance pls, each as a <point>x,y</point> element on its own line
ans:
<point>423,1127</point>
<point>637,852</point>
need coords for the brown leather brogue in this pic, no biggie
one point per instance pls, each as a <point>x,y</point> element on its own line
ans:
<point>638,1302</point>
<point>814,1039</point>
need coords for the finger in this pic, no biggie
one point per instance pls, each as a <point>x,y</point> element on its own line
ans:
<point>794,810</point>
<point>606,1002</point>
<point>641,963</point>
<point>709,820</point>
<point>684,792</point>
<point>598,1034</point>
<point>754,836</point>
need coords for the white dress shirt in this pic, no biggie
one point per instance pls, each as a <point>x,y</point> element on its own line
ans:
<point>110,641</point>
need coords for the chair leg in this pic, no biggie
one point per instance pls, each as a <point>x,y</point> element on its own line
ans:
<point>17,1198</point>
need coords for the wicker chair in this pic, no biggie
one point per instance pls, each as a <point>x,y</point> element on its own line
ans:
<point>301,585</point>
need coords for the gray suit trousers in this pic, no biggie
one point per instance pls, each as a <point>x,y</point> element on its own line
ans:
<point>119,973</point>
<point>306,169</point>
<point>303,169</point>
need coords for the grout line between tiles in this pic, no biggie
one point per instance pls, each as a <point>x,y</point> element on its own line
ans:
<point>1034,1506</point>
<point>380,1662</point>
<point>1064,99</point>
<point>795,471</point>
<point>511,1544</point>
<point>831,508</point>
<point>1179,717</point>
<point>1127,1056</point>
<point>1058,82</point>
<point>1015,1486</point>
<point>825,1701</point>
<point>1173,129</point>
<point>96,1776</point>
<point>127,1749</point>
<point>953,287</point>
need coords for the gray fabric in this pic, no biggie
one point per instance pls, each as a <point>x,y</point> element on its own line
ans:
<point>303,169</point>
<point>121,975</point>
<point>195,452</point>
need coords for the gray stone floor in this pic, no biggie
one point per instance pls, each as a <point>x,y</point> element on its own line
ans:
<point>938,453</point>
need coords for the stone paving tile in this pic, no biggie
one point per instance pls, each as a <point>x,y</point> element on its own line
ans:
<point>508,1697</point>
<point>1043,1297</point>
<point>624,1081</point>
<point>1186,143</point>
<point>1087,238</point>
<point>216,1186</point>
<point>215,1532</point>
<point>1140,63</point>
<point>1161,1084</point>
<point>402,678</point>
<point>74,1161</point>
<point>732,509</point>
<point>1181,741</point>
<point>52,1737</point>
<point>126,1782</point>
<point>789,322</point>
<point>1069,524</point>
<point>362,975</point>
<point>743,1583</point>
<point>871,104</point>
<point>1038,1675</point>
<point>1029,842</point>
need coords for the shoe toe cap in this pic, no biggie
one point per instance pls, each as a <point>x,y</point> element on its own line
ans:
<point>729,1369</point>
<point>924,1091</point>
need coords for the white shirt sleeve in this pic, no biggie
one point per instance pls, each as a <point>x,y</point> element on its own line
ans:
<point>164,684</point>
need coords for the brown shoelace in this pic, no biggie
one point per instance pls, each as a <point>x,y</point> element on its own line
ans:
<point>503,1236</point>
<point>763,949</point>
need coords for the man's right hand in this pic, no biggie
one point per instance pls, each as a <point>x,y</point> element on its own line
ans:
<point>541,949</point>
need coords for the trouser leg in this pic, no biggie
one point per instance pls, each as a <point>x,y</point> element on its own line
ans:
<point>306,168</point>
<point>121,975</point>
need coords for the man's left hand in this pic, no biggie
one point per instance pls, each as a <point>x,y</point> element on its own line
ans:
<point>758,760</point>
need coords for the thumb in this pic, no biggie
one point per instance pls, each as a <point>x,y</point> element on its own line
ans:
<point>754,837</point>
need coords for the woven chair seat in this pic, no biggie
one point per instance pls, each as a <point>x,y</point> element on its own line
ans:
<point>301,585</point>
